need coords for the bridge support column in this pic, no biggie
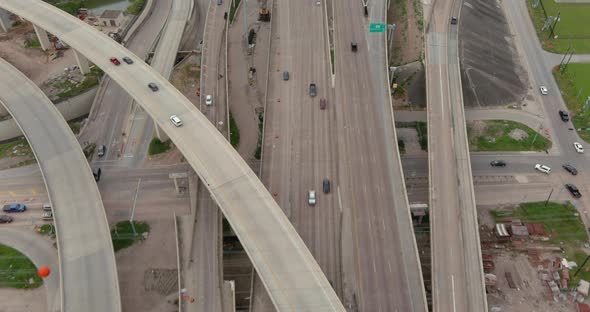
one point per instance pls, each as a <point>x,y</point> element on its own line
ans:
<point>82,62</point>
<point>5,22</point>
<point>160,134</point>
<point>42,36</point>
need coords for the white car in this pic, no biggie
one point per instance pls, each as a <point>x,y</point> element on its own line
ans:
<point>544,90</point>
<point>543,168</point>
<point>176,121</point>
<point>579,148</point>
<point>318,2</point>
<point>311,198</point>
<point>209,100</point>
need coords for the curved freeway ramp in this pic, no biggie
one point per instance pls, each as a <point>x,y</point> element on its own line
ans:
<point>86,258</point>
<point>289,272</point>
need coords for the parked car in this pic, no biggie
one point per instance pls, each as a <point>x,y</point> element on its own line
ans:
<point>573,190</point>
<point>153,86</point>
<point>326,185</point>
<point>115,61</point>
<point>46,207</point>
<point>323,103</point>
<point>47,216</point>
<point>285,75</point>
<point>565,116</point>
<point>176,121</point>
<point>5,219</point>
<point>544,90</point>
<point>569,168</point>
<point>543,168</point>
<point>454,20</point>
<point>579,148</point>
<point>311,198</point>
<point>353,46</point>
<point>127,60</point>
<point>14,208</point>
<point>312,90</point>
<point>101,150</point>
<point>498,163</point>
<point>209,100</point>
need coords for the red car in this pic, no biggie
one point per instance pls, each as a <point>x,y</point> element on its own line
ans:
<point>323,103</point>
<point>5,219</point>
<point>115,61</point>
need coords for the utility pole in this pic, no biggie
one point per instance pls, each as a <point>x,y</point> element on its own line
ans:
<point>568,61</point>
<point>133,209</point>
<point>547,201</point>
<point>554,25</point>
<point>564,56</point>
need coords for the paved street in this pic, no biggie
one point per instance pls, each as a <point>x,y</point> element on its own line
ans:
<point>457,273</point>
<point>272,243</point>
<point>86,258</point>
<point>380,260</point>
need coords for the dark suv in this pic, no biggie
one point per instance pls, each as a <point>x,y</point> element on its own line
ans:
<point>564,115</point>
<point>498,163</point>
<point>569,168</point>
<point>326,186</point>
<point>312,90</point>
<point>574,190</point>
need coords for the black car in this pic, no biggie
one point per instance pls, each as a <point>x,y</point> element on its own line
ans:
<point>453,20</point>
<point>569,168</point>
<point>326,186</point>
<point>127,60</point>
<point>153,86</point>
<point>574,190</point>
<point>565,116</point>
<point>312,90</point>
<point>353,46</point>
<point>5,219</point>
<point>498,163</point>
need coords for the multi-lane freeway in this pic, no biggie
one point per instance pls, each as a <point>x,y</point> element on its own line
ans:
<point>290,274</point>
<point>86,257</point>
<point>457,270</point>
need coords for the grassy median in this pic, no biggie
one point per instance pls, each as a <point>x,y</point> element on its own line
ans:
<point>504,135</point>
<point>16,270</point>
<point>123,235</point>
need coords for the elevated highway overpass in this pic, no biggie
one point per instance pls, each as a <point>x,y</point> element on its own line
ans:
<point>457,271</point>
<point>289,272</point>
<point>86,258</point>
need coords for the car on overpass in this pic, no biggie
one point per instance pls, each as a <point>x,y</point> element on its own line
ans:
<point>311,199</point>
<point>209,100</point>
<point>313,89</point>
<point>565,116</point>
<point>544,90</point>
<point>115,61</point>
<point>176,120</point>
<point>14,208</point>
<point>573,190</point>
<point>579,148</point>
<point>571,169</point>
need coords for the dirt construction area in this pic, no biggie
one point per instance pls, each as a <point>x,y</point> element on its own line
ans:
<point>491,71</point>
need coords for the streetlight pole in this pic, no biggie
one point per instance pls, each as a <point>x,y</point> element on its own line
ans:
<point>547,201</point>
<point>133,209</point>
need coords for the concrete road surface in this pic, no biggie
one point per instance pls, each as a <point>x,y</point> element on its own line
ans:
<point>41,252</point>
<point>288,270</point>
<point>457,272</point>
<point>87,261</point>
<point>385,273</point>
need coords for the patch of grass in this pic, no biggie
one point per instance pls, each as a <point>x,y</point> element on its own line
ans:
<point>89,150</point>
<point>232,10</point>
<point>417,4</point>
<point>421,129</point>
<point>574,84</point>
<point>136,7</point>
<point>16,270</point>
<point>571,29</point>
<point>496,137</point>
<point>46,229</point>
<point>18,147</point>
<point>561,221</point>
<point>234,132</point>
<point>32,43</point>
<point>401,145</point>
<point>75,126</point>
<point>122,233</point>
<point>158,147</point>
<point>90,80</point>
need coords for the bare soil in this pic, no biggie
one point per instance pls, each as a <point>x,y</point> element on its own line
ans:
<point>407,37</point>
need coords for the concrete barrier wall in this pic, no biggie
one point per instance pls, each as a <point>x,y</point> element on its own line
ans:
<point>73,108</point>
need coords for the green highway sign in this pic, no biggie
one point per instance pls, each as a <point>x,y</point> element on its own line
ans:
<point>377,27</point>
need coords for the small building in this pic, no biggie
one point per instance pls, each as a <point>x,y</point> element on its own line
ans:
<point>502,233</point>
<point>111,18</point>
